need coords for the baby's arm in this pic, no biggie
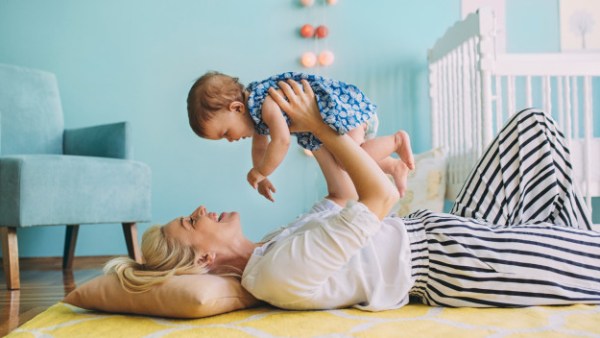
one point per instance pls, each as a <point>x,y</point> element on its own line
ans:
<point>259,147</point>
<point>276,149</point>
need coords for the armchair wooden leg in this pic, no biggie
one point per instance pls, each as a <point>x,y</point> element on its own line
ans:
<point>10,257</point>
<point>133,249</point>
<point>70,242</point>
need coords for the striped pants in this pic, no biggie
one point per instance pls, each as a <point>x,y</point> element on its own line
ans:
<point>518,234</point>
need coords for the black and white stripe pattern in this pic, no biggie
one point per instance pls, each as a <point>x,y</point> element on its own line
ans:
<point>525,176</point>
<point>522,241</point>
<point>466,262</point>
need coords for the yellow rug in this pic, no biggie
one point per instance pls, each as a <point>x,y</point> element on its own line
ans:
<point>62,320</point>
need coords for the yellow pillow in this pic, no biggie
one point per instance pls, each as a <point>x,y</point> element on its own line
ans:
<point>426,184</point>
<point>185,296</point>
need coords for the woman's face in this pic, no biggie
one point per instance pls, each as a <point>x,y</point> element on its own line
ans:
<point>205,231</point>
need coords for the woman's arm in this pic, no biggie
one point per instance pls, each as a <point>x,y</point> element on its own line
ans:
<point>374,189</point>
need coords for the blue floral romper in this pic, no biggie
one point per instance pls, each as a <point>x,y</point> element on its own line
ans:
<point>343,106</point>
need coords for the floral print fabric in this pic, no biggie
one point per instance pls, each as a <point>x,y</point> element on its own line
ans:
<point>343,106</point>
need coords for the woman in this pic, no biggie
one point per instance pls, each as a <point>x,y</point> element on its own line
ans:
<point>525,239</point>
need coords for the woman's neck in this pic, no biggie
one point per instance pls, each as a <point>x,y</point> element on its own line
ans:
<point>240,254</point>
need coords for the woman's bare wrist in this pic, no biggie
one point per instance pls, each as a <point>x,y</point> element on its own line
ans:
<point>322,131</point>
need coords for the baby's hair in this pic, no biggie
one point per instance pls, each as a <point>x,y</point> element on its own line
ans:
<point>212,92</point>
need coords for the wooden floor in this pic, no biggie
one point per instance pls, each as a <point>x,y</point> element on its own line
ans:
<point>43,283</point>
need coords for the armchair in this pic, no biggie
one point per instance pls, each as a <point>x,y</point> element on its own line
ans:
<point>53,176</point>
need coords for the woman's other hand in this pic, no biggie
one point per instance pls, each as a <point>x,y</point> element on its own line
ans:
<point>301,105</point>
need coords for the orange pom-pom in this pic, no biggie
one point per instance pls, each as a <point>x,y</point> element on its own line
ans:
<point>307,31</point>
<point>321,32</point>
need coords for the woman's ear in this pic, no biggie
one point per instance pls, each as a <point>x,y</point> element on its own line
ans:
<point>236,106</point>
<point>206,259</point>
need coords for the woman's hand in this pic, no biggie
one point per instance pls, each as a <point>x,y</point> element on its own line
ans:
<point>301,105</point>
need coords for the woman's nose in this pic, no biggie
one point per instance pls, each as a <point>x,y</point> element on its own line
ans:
<point>200,211</point>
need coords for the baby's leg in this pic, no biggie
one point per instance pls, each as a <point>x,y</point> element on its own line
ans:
<point>383,146</point>
<point>380,149</point>
<point>398,170</point>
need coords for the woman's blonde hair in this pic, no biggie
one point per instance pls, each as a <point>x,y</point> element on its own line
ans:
<point>164,257</point>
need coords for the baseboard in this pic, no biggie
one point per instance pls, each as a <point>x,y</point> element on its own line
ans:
<point>55,263</point>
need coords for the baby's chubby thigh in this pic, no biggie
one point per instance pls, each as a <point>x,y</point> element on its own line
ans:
<point>358,134</point>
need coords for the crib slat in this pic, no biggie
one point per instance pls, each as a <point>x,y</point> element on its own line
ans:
<point>499,100</point>
<point>442,107</point>
<point>559,96</point>
<point>547,95</point>
<point>568,111</point>
<point>510,88</point>
<point>465,107</point>
<point>474,97</point>
<point>528,92</point>
<point>575,98</point>
<point>455,113</point>
<point>587,107</point>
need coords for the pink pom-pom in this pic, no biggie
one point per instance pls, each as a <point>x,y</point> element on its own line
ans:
<point>326,58</point>
<point>308,59</point>
<point>307,3</point>
<point>332,2</point>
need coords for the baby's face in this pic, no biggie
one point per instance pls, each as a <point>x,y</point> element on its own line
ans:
<point>229,125</point>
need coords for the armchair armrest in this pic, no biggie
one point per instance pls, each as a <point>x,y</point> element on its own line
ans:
<point>107,140</point>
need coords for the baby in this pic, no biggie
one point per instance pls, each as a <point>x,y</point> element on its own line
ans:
<point>219,107</point>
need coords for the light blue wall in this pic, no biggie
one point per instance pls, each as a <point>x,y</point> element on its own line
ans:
<point>136,59</point>
<point>532,26</point>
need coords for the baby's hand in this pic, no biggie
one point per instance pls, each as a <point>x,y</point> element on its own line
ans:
<point>255,177</point>
<point>266,188</point>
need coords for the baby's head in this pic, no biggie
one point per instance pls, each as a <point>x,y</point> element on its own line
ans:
<point>212,94</point>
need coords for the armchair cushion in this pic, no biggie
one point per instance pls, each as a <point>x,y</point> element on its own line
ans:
<point>61,189</point>
<point>107,140</point>
<point>30,111</point>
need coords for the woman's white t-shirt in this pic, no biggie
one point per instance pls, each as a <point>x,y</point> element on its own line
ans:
<point>333,257</point>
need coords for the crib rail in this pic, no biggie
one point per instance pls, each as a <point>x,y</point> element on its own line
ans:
<point>563,86</point>
<point>459,70</point>
<point>473,91</point>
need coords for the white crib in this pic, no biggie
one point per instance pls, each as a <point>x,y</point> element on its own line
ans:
<point>473,90</point>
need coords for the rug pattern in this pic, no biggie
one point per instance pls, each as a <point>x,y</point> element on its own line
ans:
<point>63,320</point>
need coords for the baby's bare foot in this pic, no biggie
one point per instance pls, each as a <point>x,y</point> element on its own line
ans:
<point>404,150</point>
<point>399,172</point>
